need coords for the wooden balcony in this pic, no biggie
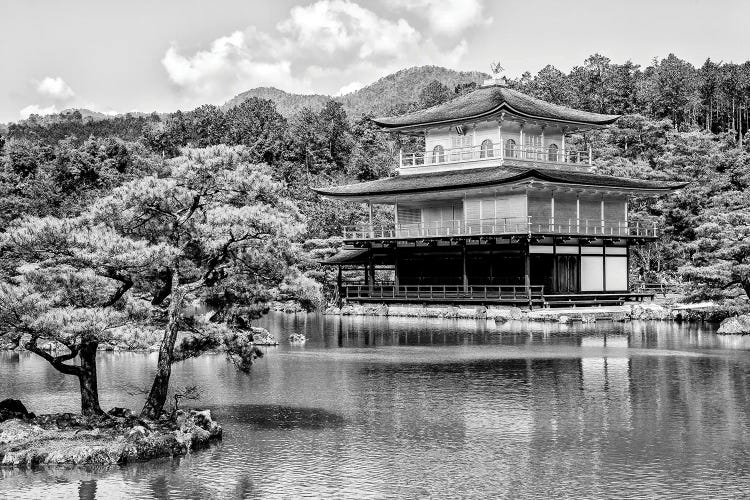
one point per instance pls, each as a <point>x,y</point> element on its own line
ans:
<point>521,295</point>
<point>503,294</point>
<point>581,228</point>
<point>475,156</point>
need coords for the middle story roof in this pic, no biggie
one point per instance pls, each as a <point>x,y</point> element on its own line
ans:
<point>457,180</point>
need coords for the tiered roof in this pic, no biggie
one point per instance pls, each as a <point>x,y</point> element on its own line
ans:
<point>487,177</point>
<point>491,100</point>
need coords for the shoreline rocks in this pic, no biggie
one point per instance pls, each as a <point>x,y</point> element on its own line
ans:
<point>628,312</point>
<point>261,336</point>
<point>114,438</point>
<point>735,325</point>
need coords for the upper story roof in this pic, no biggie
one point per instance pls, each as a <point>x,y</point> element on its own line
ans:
<point>490,100</point>
<point>486,177</point>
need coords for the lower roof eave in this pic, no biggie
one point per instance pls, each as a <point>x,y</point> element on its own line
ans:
<point>517,178</point>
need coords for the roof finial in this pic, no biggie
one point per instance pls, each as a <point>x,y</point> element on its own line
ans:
<point>496,69</point>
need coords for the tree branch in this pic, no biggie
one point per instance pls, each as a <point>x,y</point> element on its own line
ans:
<point>127,283</point>
<point>58,362</point>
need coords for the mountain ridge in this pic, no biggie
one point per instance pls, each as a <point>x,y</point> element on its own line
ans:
<point>396,89</point>
<point>380,97</point>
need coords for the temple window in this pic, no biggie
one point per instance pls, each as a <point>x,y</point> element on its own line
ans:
<point>552,152</point>
<point>511,151</point>
<point>486,150</point>
<point>438,154</point>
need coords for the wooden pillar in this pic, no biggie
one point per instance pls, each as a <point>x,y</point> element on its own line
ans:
<point>562,145</point>
<point>541,155</point>
<point>473,151</point>
<point>339,287</point>
<point>555,281</point>
<point>367,275</point>
<point>396,229</point>
<point>396,281</point>
<point>527,272</point>
<point>371,269</point>
<point>552,210</point>
<point>520,139</point>
<point>527,265</point>
<point>500,135</point>
<point>426,157</point>
<point>465,276</point>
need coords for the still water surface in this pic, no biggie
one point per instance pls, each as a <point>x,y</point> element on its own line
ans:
<point>410,408</point>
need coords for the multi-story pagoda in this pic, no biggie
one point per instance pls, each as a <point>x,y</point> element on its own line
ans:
<point>497,209</point>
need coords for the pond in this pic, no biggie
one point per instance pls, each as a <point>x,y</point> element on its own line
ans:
<point>390,407</point>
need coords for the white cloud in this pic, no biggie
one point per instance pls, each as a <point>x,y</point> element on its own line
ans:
<point>35,109</point>
<point>228,65</point>
<point>335,27</point>
<point>317,46</point>
<point>449,17</point>
<point>55,87</point>
<point>349,88</point>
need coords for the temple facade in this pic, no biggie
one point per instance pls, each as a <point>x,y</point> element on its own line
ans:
<point>497,209</point>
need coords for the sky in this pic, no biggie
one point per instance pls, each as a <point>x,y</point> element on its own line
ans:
<point>144,55</point>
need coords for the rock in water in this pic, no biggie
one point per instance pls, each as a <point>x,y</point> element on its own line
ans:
<point>737,325</point>
<point>297,338</point>
<point>261,336</point>
<point>563,319</point>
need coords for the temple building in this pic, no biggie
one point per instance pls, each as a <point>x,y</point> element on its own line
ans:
<point>498,209</point>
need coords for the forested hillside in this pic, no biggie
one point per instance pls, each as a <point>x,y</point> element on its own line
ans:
<point>287,104</point>
<point>680,122</point>
<point>393,93</point>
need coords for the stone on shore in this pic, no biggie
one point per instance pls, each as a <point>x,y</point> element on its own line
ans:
<point>620,316</point>
<point>736,325</point>
<point>13,408</point>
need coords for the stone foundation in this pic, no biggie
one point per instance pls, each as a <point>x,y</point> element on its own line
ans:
<point>638,311</point>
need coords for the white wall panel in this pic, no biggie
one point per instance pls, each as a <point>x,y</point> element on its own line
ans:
<point>617,273</point>
<point>592,273</point>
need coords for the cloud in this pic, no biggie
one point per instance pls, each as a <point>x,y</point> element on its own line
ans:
<point>229,64</point>
<point>55,88</point>
<point>349,88</point>
<point>340,27</point>
<point>448,17</point>
<point>35,109</point>
<point>315,48</point>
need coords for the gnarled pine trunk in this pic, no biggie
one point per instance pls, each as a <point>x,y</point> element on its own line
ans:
<point>157,397</point>
<point>88,380</point>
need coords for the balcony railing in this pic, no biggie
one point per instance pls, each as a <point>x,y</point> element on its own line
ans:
<point>477,153</point>
<point>509,293</point>
<point>502,226</point>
